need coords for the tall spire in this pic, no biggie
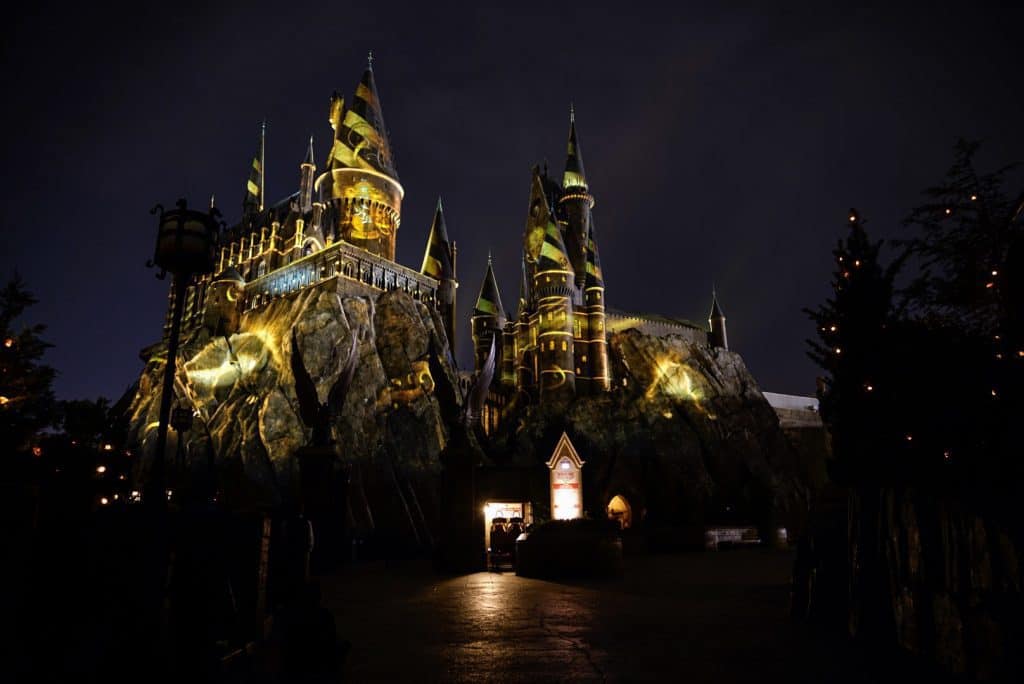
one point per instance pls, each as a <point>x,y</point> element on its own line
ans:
<point>524,289</point>
<point>489,301</point>
<point>309,153</point>
<point>716,311</point>
<point>361,138</point>
<point>254,190</point>
<point>307,169</point>
<point>718,336</point>
<point>575,176</point>
<point>437,261</point>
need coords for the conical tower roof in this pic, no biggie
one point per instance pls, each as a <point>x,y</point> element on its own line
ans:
<point>575,176</point>
<point>716,311</point>
<point>310,159</point>
<point>437,261</point>
<point>489,301</point>
<point>524,290</point>
<point>553,254</point>
<point>595,278</point>
<point>361,140</point>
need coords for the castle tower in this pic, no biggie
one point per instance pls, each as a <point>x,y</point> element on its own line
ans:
<point>361,180</point>
<point>575,204</point>
<point>306,177</point>
<point>488,320</point>
<point>254,190</point>
<point>439,263</point>
<point>553,286</point>
<point>716,320</point>
<point>595,358</point>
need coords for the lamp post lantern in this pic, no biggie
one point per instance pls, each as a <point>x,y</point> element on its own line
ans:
<point>185,245</point>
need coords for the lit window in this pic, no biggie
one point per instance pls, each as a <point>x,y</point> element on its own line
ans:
<point>563,345</point>
<point>551,345</point>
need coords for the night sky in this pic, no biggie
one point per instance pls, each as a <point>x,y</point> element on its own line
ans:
<point>722,146</point>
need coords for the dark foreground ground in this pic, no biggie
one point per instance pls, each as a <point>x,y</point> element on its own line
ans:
<point>700,617</point>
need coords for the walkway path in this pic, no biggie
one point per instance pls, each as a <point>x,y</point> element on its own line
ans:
<point>697,617</point>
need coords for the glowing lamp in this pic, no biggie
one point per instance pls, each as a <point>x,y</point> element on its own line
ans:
<point>108,447</point>
<point>974,198</point>
<point>101,469</point>
<point>4,400</point>
<point>104,501</point>
<point>9,343</point>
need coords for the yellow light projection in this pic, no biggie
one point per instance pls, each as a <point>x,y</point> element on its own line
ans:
<point>672,378</point>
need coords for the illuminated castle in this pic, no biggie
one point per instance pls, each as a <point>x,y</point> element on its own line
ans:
<point>342,224</point>
<point>556,345</point>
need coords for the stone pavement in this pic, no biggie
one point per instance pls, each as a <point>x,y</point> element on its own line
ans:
<point>699,617</point>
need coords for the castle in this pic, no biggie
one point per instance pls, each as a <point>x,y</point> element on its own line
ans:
<point>555,347</point>
<point>343,223</point>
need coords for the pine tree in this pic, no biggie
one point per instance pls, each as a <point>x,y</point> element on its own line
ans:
<point>852,327</point>
<point>26,396</point>
<point>964,234</point>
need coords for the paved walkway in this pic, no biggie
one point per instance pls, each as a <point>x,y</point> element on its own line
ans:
<point>698,617</point>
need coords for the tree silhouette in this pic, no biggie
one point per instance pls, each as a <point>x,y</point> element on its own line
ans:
<point>26,394</point>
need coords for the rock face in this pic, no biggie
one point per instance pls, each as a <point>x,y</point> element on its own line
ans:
<point>242,393</point>
<point>686,437</point>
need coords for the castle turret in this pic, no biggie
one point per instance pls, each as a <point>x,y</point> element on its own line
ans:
<point>439,263</point>
<point>553,287</point>
<point>307,171</point>
<point>575,204</point>
<point>595,357</point>
<point>717,337</point>
<point>254,195</point>
<point>361,179</point>
<point>488,319</point>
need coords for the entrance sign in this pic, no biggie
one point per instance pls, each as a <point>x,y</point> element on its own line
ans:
<point>566,481</point>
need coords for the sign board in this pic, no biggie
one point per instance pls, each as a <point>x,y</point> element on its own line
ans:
<point>566,481</point>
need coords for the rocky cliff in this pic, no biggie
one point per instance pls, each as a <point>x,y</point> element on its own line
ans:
<point>685,436</point>
<point>241,390</point>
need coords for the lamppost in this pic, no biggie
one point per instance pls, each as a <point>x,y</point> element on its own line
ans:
<point>185,244</point>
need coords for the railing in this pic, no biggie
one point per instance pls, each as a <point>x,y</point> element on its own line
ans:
<point>339,260</point>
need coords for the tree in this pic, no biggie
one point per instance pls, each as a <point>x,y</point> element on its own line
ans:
<point>84,421</point>
<point>26,394</point>
<point>852,327</point>
<point>963,238</point>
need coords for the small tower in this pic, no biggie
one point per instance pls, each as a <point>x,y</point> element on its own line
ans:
<point>575,203</point>
<point>254,196</point>
<point>596,358</point>
<point>488,320</point>
<point>360,179</point>
<point>553,287</point>
<point>717,337</point>
<point>307,174</point>
<point>439,263</point>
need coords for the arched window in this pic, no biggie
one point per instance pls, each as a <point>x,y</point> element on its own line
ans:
<point>261,270</point>
<point>620,510</point>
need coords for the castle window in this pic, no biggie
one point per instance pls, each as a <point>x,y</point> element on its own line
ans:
<point>577,371</point>
<point>551,345</point>
<point>584,359</point>
<point>564,347</point>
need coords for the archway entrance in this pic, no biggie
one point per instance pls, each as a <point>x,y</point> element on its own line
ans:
<point>620,510</point>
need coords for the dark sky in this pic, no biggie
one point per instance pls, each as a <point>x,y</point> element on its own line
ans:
<point>722,145</point>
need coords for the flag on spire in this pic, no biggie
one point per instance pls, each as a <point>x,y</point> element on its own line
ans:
<point>254,196</point>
